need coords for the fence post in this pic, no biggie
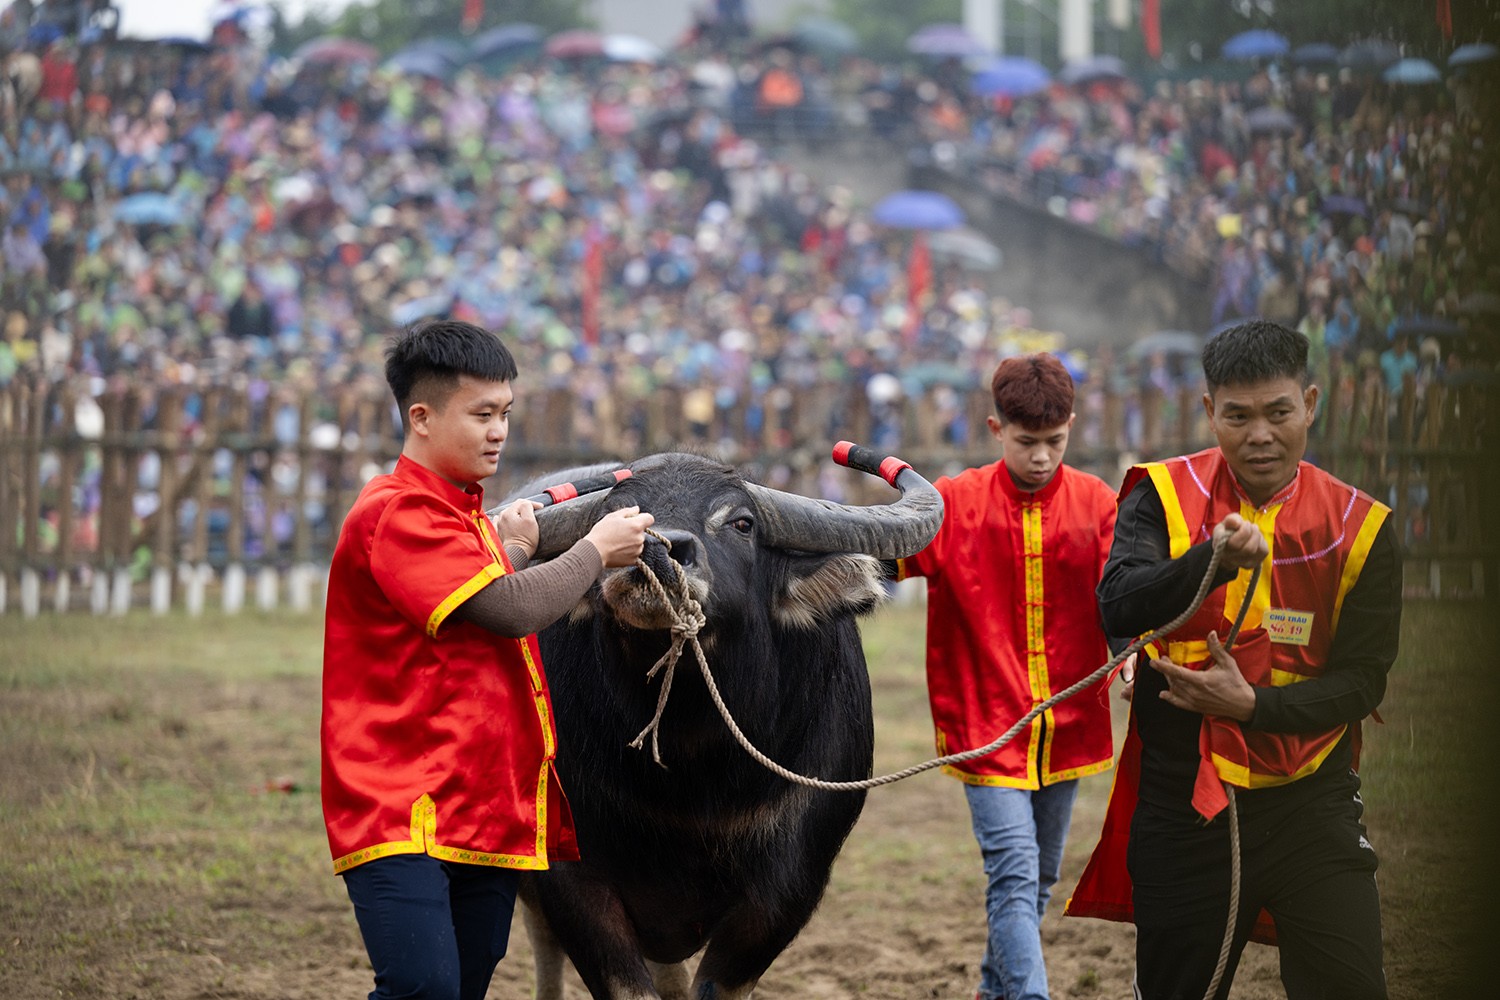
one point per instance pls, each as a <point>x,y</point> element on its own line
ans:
<point>237,439</point>
<point>70,447</point>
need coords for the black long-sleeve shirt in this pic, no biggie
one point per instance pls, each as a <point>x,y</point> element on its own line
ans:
<point>1143,588</point>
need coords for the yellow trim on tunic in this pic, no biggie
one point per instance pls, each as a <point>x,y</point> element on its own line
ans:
<point>468,589</point>
<point>424,841</point>
<point>1358,553</point>
<point>1177,529</point>
<point>1241,776</point>
<point>1234,591</point>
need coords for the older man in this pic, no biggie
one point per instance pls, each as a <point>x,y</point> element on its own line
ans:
<point>1273,721</point>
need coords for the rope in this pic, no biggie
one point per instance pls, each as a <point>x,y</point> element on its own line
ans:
<point>688,619</point>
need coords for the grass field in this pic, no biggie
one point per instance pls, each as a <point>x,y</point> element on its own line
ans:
<point>162,835</point>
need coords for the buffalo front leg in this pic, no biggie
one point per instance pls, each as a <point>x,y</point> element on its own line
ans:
<point>585,916</point>
<point>672,981</point>
<point>546,952</point>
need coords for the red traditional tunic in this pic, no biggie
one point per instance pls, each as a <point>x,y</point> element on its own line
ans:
<point>1012,619</point>
<point>437,735</point>
<point>1319,531</point>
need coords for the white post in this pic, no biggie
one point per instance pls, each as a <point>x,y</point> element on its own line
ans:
<point>99,593</point>
<point>161,590</point>
<point>62,592</point>
<point>1119,14</point>
<point>1075,29</point>
<point>119,595</point>
<point>31,593</point>
<point>234,588</point>
<point>4,591</point>
<point>266,589</point>
<point>299,586</point>
<point>985,20</point>
<point>194,583</point>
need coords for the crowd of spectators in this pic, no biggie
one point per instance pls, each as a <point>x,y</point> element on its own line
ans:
<point>197,212</point>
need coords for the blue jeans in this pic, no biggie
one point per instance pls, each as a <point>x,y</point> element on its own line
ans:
<point>433,929</point>
<point>1020,834</point>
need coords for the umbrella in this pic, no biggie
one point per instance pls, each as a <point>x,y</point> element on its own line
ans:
<point>1376,53</point>
<point>454,51</point>
<point>1474,52</point>
<point>824,34</point>
<point>918,210</point>
<point>1168,342</point>
<point>967,248</point>
<point>1480,303</point>
<point>1257,44</point>
<point>1094,68</point>
<point>576,44</point>
<point>1315,53</point>
<point>333,49</point>
<point>1425,326</point>
<point>1343,204</point>
<point>948,40</point>
<point>630,48</point>
<point>185,43</point>
<point>1270,119</point>
<point>412,310</point>
<point>148,207</point>
<point>420,62</point>
<point>1412,71</point>
<point>505,38</point>
<point>1011,76</point>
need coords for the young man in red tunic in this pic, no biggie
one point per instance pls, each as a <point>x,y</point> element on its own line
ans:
<point>1011,620</point>
<point>437,732</point>
<point>1276,718</point>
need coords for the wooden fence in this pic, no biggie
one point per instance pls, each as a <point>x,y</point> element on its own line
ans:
<point>176,496</point>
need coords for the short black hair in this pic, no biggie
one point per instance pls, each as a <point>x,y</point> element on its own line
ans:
<point>432,354</point>
<point>1254,351</point>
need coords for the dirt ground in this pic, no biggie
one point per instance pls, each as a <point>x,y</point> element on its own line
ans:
<point>163,838</point>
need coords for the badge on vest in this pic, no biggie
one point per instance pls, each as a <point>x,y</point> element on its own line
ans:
<point>1284,625</point>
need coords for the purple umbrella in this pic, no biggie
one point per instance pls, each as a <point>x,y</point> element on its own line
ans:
<point>945,40</point>
<point>333,49</point>
<point>1094,68</point>
<point>918,210</point>
<point>1343,204</point>
<point>1010,76</point>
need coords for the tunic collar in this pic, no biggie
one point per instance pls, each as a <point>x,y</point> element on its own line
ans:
<point>1011,490</point>
<point>419,475</point>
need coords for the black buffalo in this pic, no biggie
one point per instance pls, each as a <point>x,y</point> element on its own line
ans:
<point>709,851</point>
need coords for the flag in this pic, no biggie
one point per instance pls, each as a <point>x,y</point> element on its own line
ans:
<point>918,286</point>
<point>593,280</point>
<point>1151,27</point>
<point>473,14</point>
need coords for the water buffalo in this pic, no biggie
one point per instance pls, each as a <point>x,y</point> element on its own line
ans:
<point>708,851</point>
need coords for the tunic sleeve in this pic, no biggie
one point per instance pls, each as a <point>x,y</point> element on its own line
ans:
<point>427,560</point>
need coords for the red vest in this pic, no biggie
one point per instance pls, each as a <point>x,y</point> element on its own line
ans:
<point>1012,619</point>
<point>437,734</point>
<point>1319,531</point>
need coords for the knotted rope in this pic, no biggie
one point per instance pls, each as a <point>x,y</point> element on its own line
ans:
<point>688,619</point>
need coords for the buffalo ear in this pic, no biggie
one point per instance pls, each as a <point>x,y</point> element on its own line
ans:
<point>819,588</point>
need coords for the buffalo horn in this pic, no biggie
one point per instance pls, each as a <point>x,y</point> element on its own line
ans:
<point>888,531</point>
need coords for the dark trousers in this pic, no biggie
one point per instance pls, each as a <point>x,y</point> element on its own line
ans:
<point>1309,865</point>
<point>433,929</point>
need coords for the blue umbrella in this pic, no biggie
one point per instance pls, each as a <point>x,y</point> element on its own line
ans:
<point>918,210</point>
<point>945,40</point>
<point>1412,71</point>
<point>412,310</point>
<point>420,62</point>
<point>454,51</point>
<point>1343,204</point>
<point>1315,53</point>
<point>1010,76</point>
<point>1372,54</point>
<point>1257,44</point>
<point>149,207</point>
<point>1425,326</point>
<point>1474,52</point>
<point>1094,68</point>
<point>505,38</point>
<point>1271,119</point>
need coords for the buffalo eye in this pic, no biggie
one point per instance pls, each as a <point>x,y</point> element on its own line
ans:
<point>742,525</point>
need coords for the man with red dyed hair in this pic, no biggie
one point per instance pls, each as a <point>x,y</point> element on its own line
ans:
<point>1011,620</point>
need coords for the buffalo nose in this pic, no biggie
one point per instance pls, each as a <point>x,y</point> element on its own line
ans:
<point>684,546</point>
